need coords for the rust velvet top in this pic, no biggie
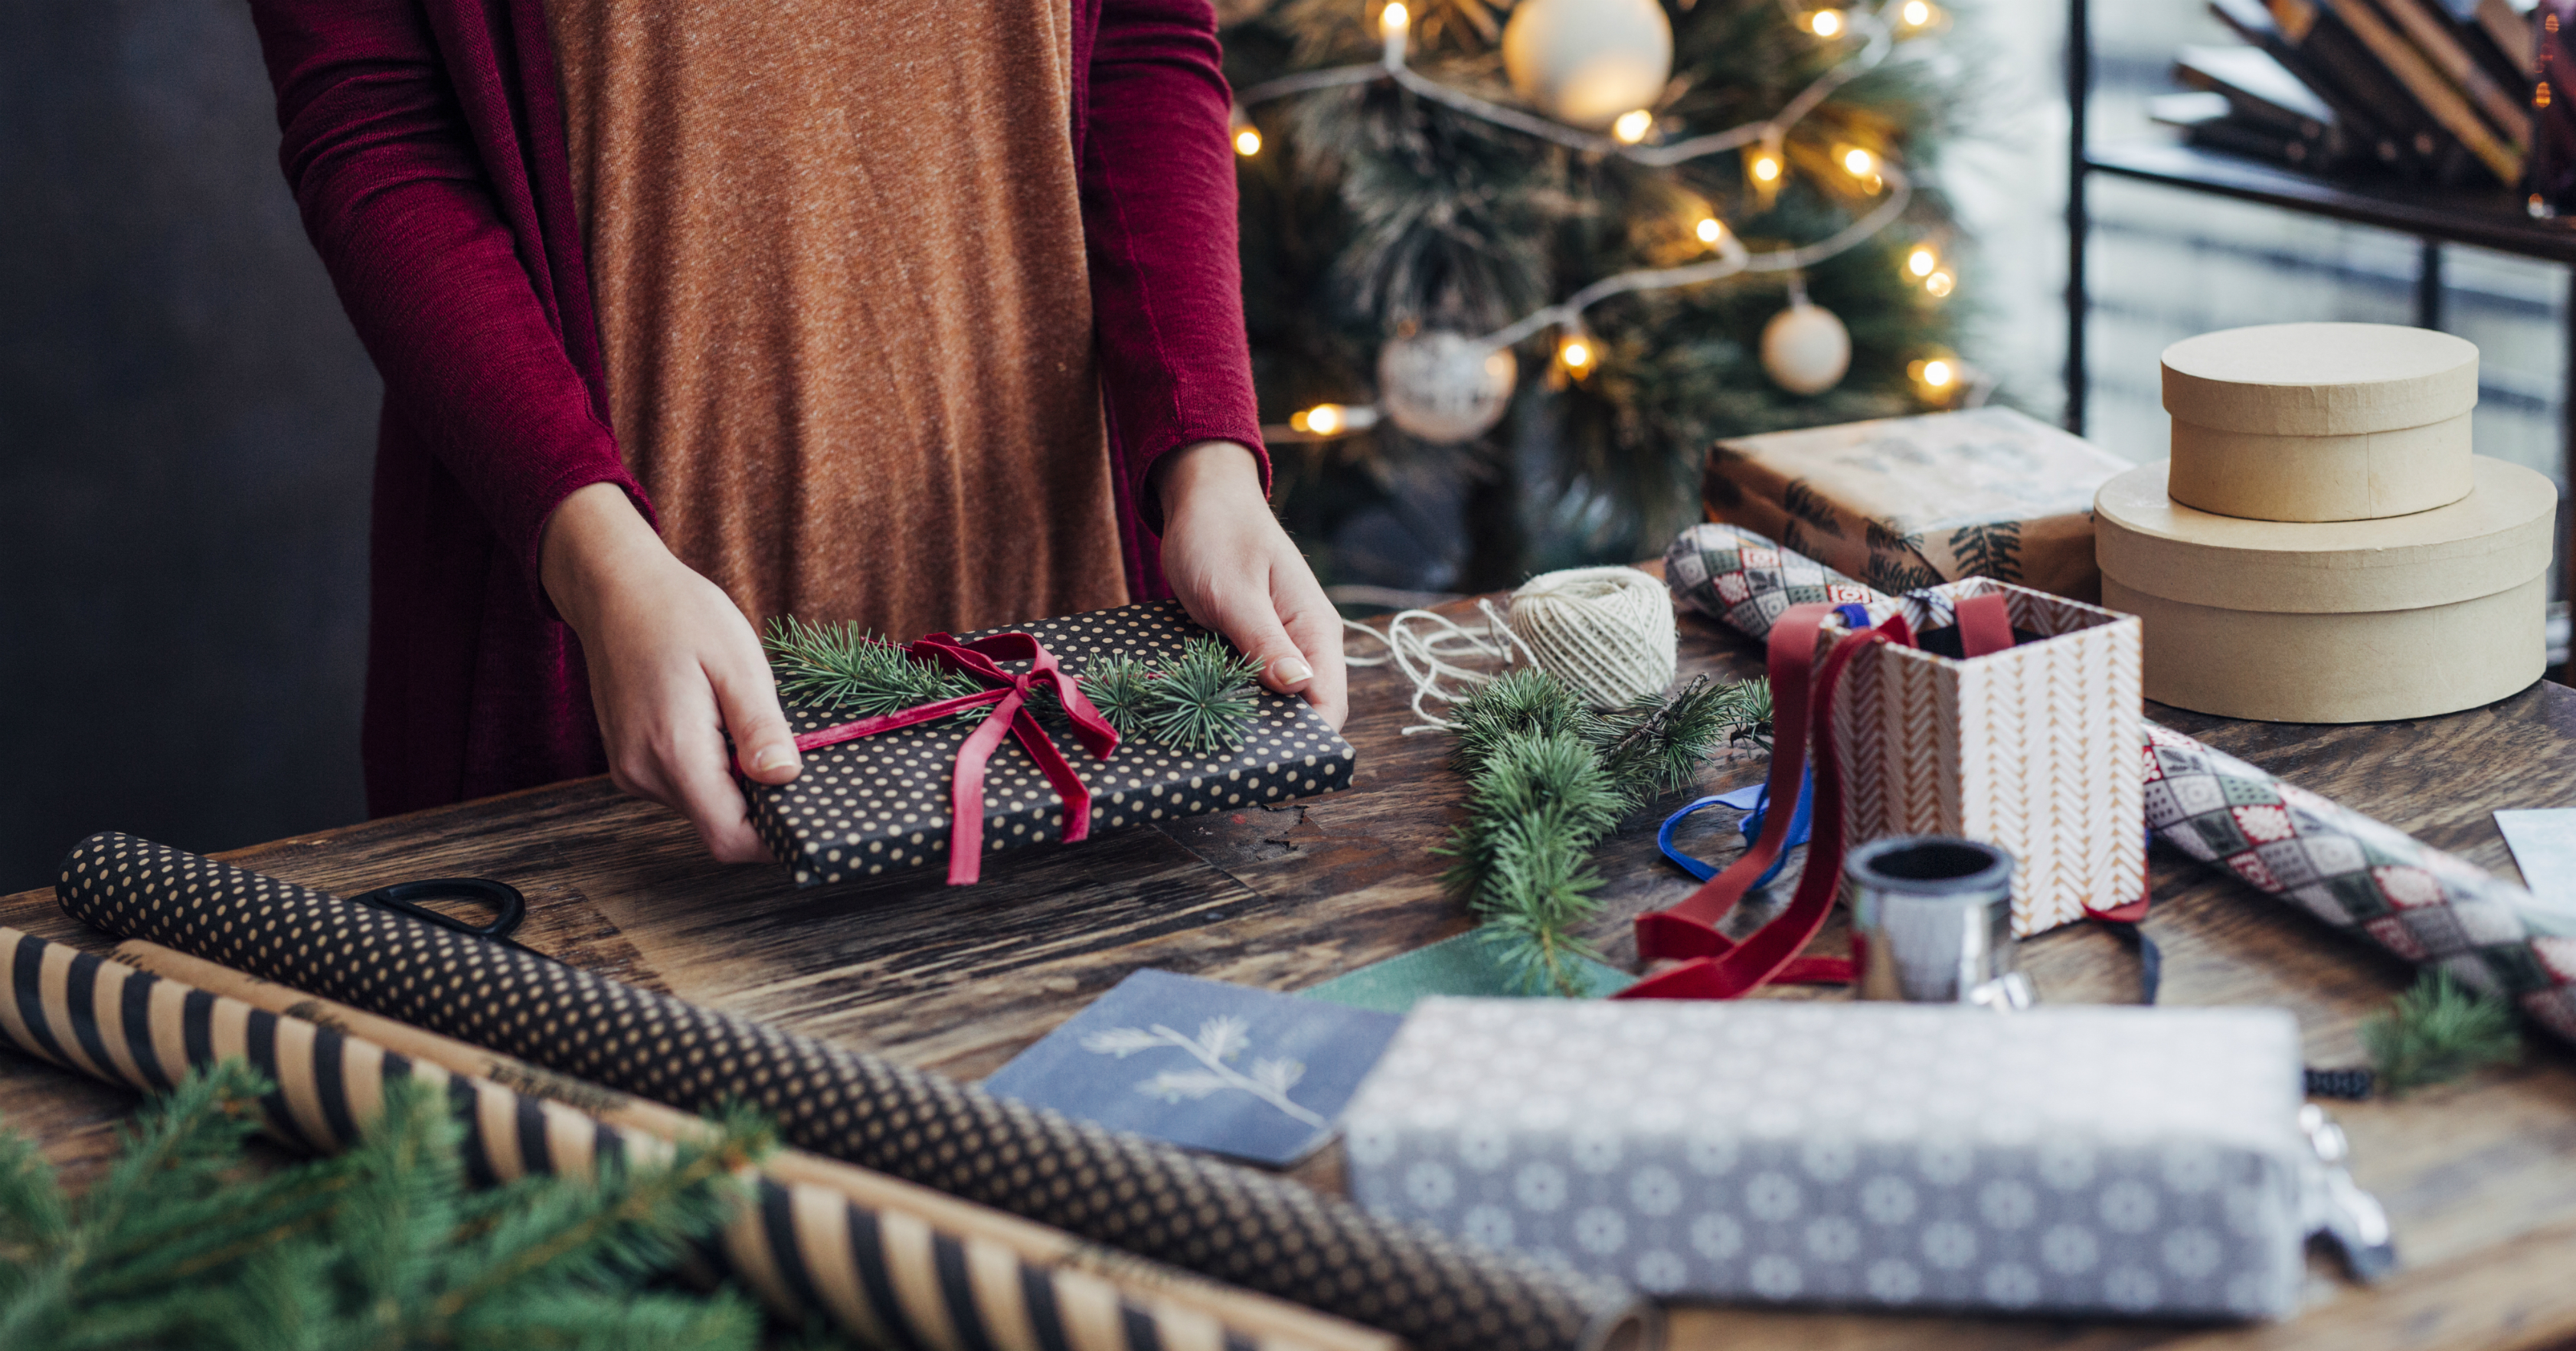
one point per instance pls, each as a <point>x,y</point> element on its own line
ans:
<point>425,142</point>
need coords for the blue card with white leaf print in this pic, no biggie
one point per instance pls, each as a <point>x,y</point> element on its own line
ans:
<point>1228,1069</point>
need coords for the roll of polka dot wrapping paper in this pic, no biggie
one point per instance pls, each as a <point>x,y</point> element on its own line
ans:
<point>2067,1160</point>
<point>881,804</point>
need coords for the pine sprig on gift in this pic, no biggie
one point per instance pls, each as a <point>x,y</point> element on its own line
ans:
<point>2438,1031</point>
<point>182,1243</point>
<point>845,668</point>
<point>1122,688</point>
<point>1202,699</point>
<point>1548,779</point>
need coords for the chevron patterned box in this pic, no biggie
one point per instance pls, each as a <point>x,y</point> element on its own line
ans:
<point>2097,1160</point>
<point>2037,748</point>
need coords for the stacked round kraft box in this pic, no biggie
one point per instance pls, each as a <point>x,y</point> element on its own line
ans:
<point>2324,546</point>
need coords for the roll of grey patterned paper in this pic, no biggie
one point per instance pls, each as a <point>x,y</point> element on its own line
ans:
<point>2074,1160</point>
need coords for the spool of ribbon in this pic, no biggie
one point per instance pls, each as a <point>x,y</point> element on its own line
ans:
<point>1010,716</point>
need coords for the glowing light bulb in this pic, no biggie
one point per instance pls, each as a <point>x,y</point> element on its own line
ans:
<point>1632,126</point>
<point>1247,143</point>
<point>1766,168</point>
<point>1576,354</point>
<point>1938,374</point>
<point>1859,163</point>
<point>1922,261</point>
<point>1825,22</point>
<point>1323,419</point>
<point>1394,18</point>
<point>1711,230</point>
<point>2540,95</point>
<point>1916,13</point>
<point>1941,283</point>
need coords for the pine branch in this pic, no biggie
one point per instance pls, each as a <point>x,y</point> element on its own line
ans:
<point>1201,700</point>
<point>380,1247</point>
<point>1657,744</point>
<point>844,668</point>
<point>1523,700</point>
<point>1121,687</point>
<point>2437,1031</point>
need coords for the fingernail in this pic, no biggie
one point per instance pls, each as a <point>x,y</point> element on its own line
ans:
<point>1291,671</point>
<point>773,757</point>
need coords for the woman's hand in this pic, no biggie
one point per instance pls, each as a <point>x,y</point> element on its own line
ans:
<point>1236,572</point>
<point>673,667</point>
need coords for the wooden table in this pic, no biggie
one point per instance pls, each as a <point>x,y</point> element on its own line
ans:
<point>2479,1176</point>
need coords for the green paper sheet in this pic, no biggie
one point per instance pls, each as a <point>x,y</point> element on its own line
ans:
<point>1463,965</point>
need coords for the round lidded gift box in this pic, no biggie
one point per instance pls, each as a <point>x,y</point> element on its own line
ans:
<point>2343,621</point>
<point>2320,422</point>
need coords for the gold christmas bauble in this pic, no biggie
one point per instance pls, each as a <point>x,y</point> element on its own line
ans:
<point>1444,387</point>
<point>1805,349</point>
<point>1584,62</point>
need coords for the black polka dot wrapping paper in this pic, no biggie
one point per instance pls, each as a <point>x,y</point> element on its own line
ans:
<point>879,804</point>
<point>1223,1221</point>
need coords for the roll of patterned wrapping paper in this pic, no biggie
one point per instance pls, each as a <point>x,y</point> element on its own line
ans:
<point>1241,1227</point>
<point>1186,1310</point>
<point>889,1271</point>
<point>2427,906</point>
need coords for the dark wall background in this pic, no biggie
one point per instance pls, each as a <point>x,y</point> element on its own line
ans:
<point>186,429</point>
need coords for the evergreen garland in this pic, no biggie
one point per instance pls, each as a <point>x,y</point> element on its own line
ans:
<point>2438,1031</point>
<point>181,1244</point>
<point>1548,779</point>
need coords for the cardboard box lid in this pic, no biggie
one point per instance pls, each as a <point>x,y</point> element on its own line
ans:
<point>2320,379</point>
<point>2496,537</point>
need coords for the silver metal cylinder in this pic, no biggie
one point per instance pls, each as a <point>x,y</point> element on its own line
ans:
<point>1932,922</point>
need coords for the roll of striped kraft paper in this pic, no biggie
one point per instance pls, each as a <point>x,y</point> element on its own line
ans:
<point>1243,1317</point>
<point>884,1274</point>
<point>1240,1227</point>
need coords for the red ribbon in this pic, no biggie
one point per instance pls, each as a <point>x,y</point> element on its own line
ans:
<point>1010,716</point>
<point>1714,966</point>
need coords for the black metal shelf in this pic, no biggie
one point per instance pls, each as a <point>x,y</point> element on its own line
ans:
<point>2495,219</point>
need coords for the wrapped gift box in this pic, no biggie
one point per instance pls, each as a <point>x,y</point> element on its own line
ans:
<point>2069,1159</point>
<point>1903,503</point>
<point>870,806</point>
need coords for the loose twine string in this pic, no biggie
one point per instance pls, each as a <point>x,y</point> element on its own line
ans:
<point>1608,632</point>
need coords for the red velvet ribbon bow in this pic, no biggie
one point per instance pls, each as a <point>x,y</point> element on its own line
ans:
<point>1009,700</point>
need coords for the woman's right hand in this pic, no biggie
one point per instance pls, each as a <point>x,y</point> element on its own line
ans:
<point>674,666</point>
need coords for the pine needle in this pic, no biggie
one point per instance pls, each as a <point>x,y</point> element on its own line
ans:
<point>1657,744</point>
<point>844,668</point>
<point>1202,699</point>
<point>1121,687</point>
<point>2437,1031</point>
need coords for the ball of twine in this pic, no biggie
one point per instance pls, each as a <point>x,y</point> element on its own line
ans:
<point>1608,632</point>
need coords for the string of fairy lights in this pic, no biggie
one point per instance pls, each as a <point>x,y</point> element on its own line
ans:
<point>1470,376</point>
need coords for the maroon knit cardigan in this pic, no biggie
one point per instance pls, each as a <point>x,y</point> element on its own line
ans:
<point>424,140</point>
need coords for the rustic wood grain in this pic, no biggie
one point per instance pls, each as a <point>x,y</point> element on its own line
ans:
<point>2479,1176</point>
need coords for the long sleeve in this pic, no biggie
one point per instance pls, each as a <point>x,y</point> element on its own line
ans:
<point>451,301</point>
<point>1158,201</point>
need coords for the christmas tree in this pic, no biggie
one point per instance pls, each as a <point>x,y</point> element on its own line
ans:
<point>1423,181</point>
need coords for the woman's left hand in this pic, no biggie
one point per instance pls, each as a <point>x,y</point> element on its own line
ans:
<point>1236,572</point>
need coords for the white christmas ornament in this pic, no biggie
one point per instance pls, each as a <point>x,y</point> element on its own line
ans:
<point>1585,62</point>
<point>1805,349</point>
<point>1444,387</point>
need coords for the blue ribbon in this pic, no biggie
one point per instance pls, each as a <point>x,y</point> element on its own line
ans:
<point>1754,802</point>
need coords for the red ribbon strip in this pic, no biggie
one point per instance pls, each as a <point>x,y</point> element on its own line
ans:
<point>1714,966</point>
<point>1010,716</point>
